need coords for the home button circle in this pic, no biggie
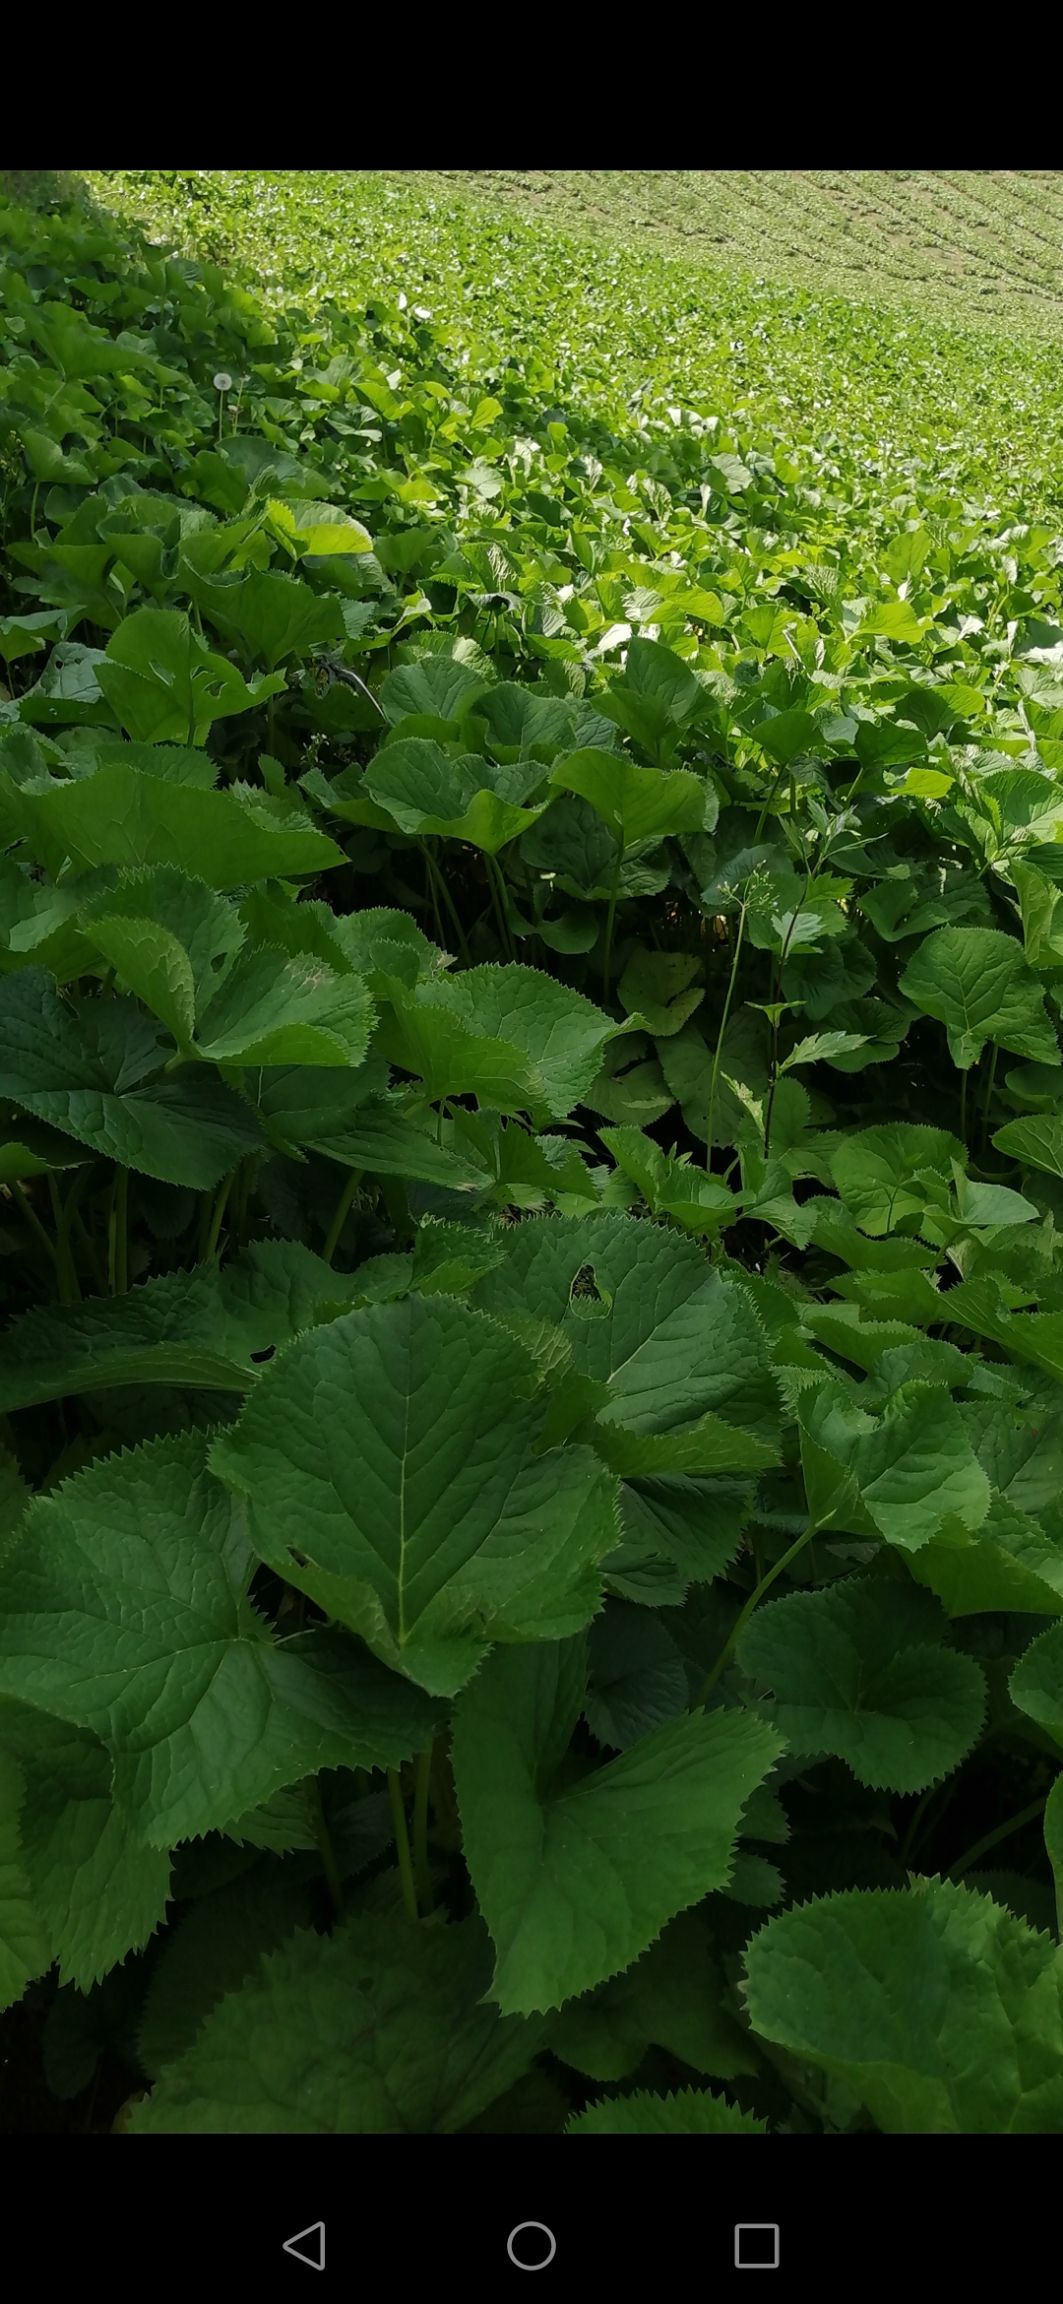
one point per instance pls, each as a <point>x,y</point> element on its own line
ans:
<point>531,2247</point>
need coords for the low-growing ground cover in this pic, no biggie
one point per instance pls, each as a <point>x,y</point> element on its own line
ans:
<point>531,1148</point>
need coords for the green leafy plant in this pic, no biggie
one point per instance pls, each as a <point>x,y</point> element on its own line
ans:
<point>531,1540</point>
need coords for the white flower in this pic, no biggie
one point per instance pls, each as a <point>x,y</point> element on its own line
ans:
<point>222,382</point>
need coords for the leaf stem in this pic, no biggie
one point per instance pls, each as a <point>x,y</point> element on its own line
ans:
<point>776,998</point>
<point>340,1215</point>
<point>724,1021</point>
<point>402,1844</point>
<point>1000,1832</point>
<point>69,1283</point>
<point>121,1225</point>
<point>213,1234</point>
<point>24,1203</point>
<point>914,1821</point>
<point>440,888</point>
<point>785,1561</point>
<point>988,1098</point>
<point>326,1850</point>
<point>498,897</point>
<point>421,1867</point>
<point>610,917</point>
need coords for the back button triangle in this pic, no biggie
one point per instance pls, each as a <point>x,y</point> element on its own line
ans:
<point>313,2252</point>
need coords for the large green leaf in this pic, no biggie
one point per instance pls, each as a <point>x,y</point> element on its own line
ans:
<point>1037,1142</point>
<point>644,1317</point>
<point>124,816</point>
<point>277,1008</point>
<point>214,1946</point>
<point>880,1171</point>
<point>639,805</point>
<point>165,685</point>
<point>910,1476</point>
<point>425,790</point>
<point>98,1891</point>
<point>575,1883</point>
<point>24,1948</point>
<point>271,615</point>
<point>939,2011</point>
<point>96,1069</point>
<point>976,982</point>
<point>378,2029</point>
<point>859,1672</point>
<point>390,1470</point>
<point>673,1998</point>
<point>123,1610</point>
<point>205,1328</point>
<point>1037,1682</point>
<point>510,1036</point>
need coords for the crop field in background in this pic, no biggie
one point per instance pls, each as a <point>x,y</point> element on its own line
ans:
<point>531,1153</point>
<point>976,248</point>
<point>971,245</point>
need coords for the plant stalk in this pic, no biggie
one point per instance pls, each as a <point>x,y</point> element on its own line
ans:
<point>402,1845</point>
<point>610,918</point>
<point>325,1849</point>
<point>421,1866</point>
<point>340,1214</point>
<point>992,1839</point>
<point>785,1561</point>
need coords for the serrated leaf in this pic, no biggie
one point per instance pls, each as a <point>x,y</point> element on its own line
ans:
<point>164,685</point>
<point>822,1048</point>
<point>205,1328</point>
<point>1036,1684</point>
<point>937,2009</point>
<point>1010,1562</point>
<point>673,1998</point>
<point>99,1893</point>
<point>642,1314</point>
<point>690,2112</point>
<point>24,1950</point>
<point>123,1610</point>
<point>859,1672</point>
<point>976,982</point>
<point>390,1471</point>
<point>217,1943</point>
<point>511,1036</point>
<point>910,1476</point>
<point>276,1008</point>
<point>170,939</point>
<point>94,1068</point>
<point>378,2029</point>
<point>575,1884</point>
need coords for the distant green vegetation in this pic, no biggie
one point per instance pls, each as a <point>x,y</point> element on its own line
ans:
<point>969,244</point>
<point>888,395</point>
<point>975,247</point>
